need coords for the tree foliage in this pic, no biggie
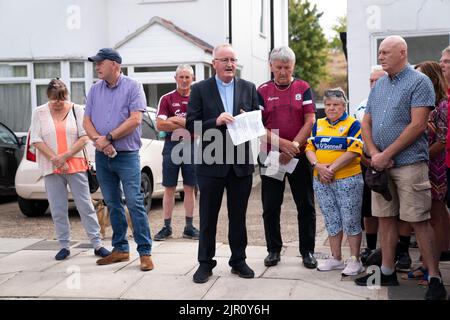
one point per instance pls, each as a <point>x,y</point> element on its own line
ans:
<point>308,41</point>
<point>340,26</point>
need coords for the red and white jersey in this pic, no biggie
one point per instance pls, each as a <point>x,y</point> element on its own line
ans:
<point>285,109</point>
<point>172,104</point>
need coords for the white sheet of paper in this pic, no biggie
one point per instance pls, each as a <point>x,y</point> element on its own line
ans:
<point>273,160</point>
<point>246,127</point>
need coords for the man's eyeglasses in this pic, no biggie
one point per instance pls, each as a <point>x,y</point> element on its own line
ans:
<point>226,60</point>
<point>335,94</point>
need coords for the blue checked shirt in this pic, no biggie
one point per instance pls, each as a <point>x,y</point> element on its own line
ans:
<point>390,103</point>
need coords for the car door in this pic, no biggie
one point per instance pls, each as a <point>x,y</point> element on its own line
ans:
<point>9,159</point>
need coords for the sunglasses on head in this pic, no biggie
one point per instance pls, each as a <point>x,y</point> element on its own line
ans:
<point>335,94</point>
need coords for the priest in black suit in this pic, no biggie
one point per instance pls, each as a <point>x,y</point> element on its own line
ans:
<point>213,103</point>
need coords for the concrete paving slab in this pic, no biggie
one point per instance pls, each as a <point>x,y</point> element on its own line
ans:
<point>226,288</point>
<point>47,245</point>
<point>224,270</point>
<point>174,247</point>
<point>309,291</point>
<point>289,268</point>
<point>28,260</point>
<point>5,277</point>
<point>86,262</point>
<point>256,252</point>
<point>8,245</point>
<point>31,284</point>
<point>155,286</point>
<point>107,285</point>
<point>168,264</point>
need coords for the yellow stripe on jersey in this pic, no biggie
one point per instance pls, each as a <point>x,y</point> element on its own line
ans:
<point>331,140</point>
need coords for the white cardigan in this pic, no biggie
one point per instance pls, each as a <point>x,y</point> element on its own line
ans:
<point>43,130</point>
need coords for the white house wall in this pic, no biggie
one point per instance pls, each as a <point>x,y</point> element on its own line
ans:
<point>368,19</point>
<point>42,29</point>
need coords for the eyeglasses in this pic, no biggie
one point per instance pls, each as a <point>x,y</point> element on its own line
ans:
<point>226,60</point>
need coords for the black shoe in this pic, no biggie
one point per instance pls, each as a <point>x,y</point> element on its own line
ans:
<point>364,255</point>
<point>62,254</point>
<point>445,256</point>
<point>272,259</point>
<point>163,234</point>
<point>404,262</point>
<point>102,252</point>
<point>436,290</point>
<point>309,261</point>
<point>203,272</point>
<point>191,233</point>
<point>375,258</point>
<point>243,271</point>
<point>385,281</point>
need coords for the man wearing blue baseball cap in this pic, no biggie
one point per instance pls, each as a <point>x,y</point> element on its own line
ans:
<point>112,120</point>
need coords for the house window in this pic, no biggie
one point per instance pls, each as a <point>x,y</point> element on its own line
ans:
<point>77,92</point>
<point>15,102</point>
<point>47,70</point>
<point>207,72</point>
<point>423,48</point>
<point>77,69</point>
<point>155,69</point>
<point>13,71</point>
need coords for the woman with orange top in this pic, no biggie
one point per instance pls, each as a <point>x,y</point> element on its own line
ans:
<point>59,139</point>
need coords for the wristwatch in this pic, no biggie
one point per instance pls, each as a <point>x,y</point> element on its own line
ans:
<point>313,165</point>
<point>109,137</point>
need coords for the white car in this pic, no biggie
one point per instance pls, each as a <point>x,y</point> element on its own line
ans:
<point>29,182</point>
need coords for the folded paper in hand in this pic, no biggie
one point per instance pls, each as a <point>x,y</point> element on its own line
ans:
<point>246,127</point>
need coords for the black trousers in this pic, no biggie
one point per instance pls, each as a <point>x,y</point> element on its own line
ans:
<point>211,193</point>
<point>272,193</point>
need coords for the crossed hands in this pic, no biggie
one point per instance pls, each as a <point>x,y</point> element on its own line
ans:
<point>381,161</point>
<point>103,145</point>
<point>326,174</point>
<point>60,162</point>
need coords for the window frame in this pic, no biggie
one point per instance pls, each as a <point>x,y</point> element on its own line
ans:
<point>411,34</point>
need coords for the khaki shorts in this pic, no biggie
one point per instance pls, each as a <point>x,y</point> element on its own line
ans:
<point>411,194</point>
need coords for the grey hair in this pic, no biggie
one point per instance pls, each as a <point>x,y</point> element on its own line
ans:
<point>187,67</point>
<point>446,50</point>
<point>344,99</point>
<point>376,68</point>
<point>220,46</point>
<point>284,54</point>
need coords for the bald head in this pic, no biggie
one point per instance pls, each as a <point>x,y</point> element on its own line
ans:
<point>393,54</point>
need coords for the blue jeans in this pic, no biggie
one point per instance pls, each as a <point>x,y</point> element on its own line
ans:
<point>125,168</point>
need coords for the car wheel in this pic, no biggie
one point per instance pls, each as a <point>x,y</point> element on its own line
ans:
<point>147,190</point>
<point>32,208</point>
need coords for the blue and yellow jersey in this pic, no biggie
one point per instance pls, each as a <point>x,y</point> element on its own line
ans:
<point>331,140</point>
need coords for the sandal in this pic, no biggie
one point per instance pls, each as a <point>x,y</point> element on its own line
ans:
<point>419,273</point>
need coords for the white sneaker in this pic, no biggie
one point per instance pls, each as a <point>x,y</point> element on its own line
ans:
<point>330,264</point>
<point>353,267</point>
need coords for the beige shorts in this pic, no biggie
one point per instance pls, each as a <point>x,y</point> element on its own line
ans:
<point>411,194</point>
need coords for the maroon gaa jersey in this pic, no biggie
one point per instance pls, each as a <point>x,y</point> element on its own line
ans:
<point>285,109</point>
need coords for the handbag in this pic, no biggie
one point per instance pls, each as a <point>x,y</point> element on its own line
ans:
<point>92,177</point>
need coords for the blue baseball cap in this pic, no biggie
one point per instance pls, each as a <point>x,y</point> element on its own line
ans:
<point>106,54</point>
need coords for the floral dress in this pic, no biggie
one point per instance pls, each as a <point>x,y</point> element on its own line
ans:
<point>437,132</point>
